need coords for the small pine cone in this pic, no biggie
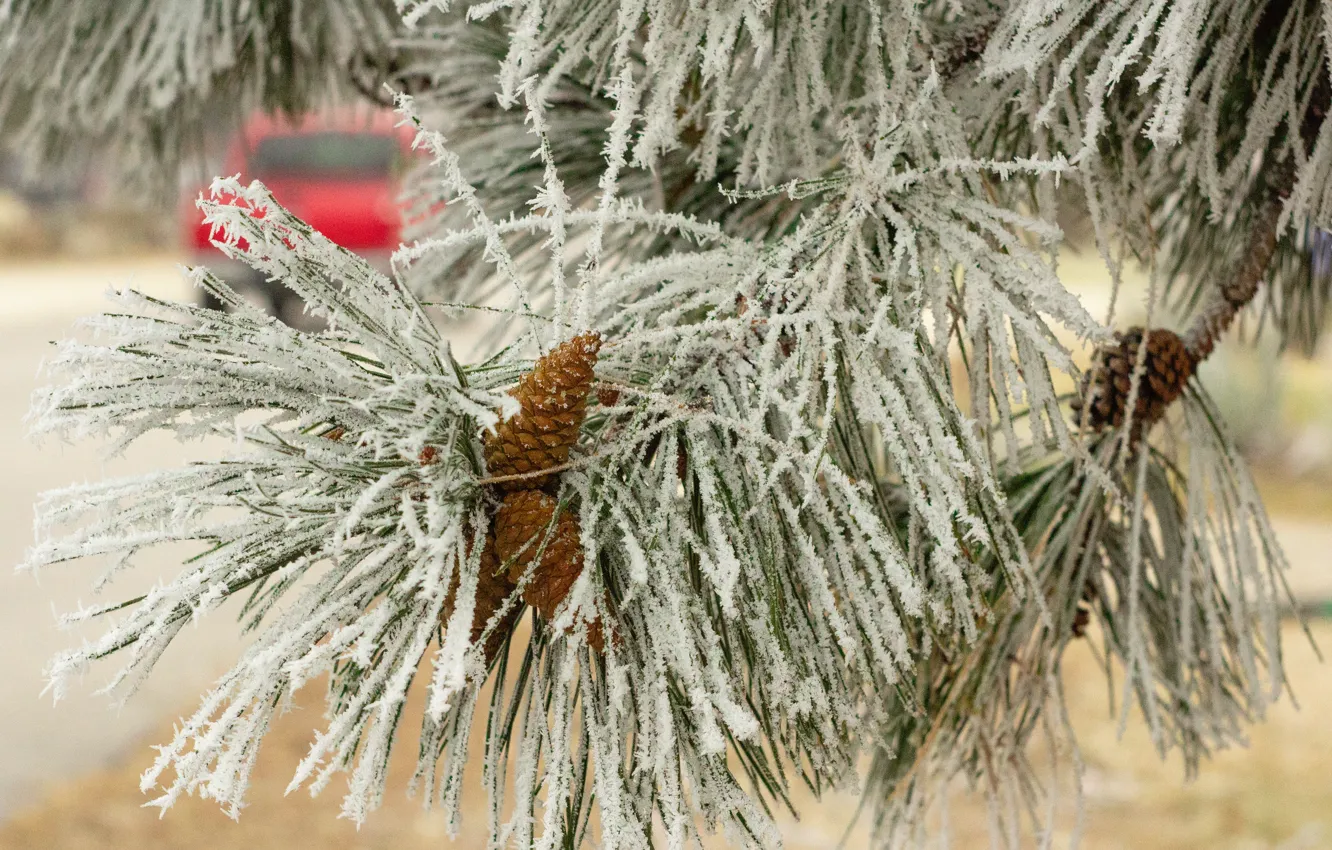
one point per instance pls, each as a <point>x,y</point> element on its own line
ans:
<point>553,399</point>
<point>1167,369</point>
<point>520,530</point>
<point>493,588</point>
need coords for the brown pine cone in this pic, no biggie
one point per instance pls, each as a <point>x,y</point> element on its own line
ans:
<point>553,398</point>
<point>521,529</point>
<point>1167,369</point>
<point>493,588</point>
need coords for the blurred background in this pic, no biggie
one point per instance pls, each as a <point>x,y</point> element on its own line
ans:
<point>69,772</point>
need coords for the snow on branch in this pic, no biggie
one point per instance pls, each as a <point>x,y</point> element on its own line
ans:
<point>785,297</point>
<point>153,76</point>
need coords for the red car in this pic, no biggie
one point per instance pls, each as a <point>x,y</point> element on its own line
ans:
<point>339,173</point>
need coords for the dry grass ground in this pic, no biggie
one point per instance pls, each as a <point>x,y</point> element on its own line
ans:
<point>1275,794</point>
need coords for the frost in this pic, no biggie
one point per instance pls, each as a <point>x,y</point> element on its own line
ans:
<point>830,502</point>
<point>150,78</point>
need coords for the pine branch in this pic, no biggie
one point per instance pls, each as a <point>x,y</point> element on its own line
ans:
<point>153,79</point>
<point>1234,295</point>
<point>779,535</point>
<point>1149,370</point>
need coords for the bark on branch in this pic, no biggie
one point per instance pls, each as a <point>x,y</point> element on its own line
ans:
<point>1234,295</point>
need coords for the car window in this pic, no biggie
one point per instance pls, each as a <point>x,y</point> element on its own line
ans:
<point>325,154</point>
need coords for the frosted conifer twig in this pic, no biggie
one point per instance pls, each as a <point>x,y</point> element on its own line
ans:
<point>834,506</point>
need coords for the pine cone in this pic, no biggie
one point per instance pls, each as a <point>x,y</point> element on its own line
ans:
<point>522,526</point>
<point>493,588</point>
<point>553,399</point>
<point>1167,369</point>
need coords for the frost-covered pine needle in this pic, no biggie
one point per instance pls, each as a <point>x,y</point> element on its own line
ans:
<point>828,497</point>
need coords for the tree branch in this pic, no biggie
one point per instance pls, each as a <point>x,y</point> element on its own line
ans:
<point>1234,295</point>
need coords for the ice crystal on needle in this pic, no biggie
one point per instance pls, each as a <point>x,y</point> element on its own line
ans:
<point>345,547</point>
<point>146,77</point>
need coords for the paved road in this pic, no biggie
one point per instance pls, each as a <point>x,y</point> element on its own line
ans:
<point>40,743</point>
